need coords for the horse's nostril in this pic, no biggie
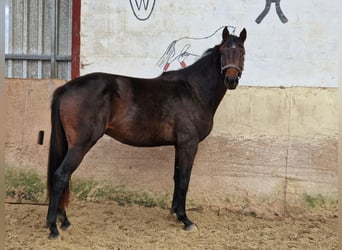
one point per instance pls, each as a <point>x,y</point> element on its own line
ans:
<point>227,80</point>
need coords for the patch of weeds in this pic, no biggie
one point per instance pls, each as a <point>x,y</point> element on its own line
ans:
<point>194,205</point>
<point>163,201</point>
<point>128,197</point>
<point>27,185</point>
<point>82,188</point>
<point>144,199</point>
<point>333,203</point>
<point>102,193</point>
<point>99,192</point>
<point>121,196</point>
<point>23,184</point>
<point>314,200</point>
<point>319,201</point>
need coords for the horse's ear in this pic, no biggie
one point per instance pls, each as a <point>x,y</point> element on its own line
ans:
<point>243,35</point>
<point>225,34</point>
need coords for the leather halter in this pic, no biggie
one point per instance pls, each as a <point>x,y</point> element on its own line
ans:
<point>223,67</point>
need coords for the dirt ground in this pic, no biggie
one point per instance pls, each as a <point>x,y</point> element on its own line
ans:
<point>110,226</point>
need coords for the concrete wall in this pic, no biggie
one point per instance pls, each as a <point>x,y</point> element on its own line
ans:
<point>269,146</point>
<point>298,52</point>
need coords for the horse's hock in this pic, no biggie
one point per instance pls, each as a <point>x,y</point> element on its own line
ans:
<point>272,150</point>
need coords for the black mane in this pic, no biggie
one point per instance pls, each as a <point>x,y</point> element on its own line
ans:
<point>209,57</point>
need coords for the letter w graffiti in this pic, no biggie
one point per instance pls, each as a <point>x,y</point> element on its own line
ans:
<point>142,9</point>
<point>139,4</point>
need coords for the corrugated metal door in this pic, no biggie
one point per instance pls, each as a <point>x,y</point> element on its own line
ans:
<point>38,38</point>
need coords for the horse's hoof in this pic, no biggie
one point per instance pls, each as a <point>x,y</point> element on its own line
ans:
<point>66,227</point>
<point>191,227</point>
<point>54,237</point>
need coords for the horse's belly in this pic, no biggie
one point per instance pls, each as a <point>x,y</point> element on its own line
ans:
<point>141,136</point>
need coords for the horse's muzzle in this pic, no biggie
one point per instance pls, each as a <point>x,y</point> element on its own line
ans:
<point>232,76</point>
<point>231,83</point>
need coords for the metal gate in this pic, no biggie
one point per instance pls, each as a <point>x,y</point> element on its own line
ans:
<point>38,38</point>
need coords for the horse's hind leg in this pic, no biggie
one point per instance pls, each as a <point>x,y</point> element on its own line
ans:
<point>62,217</point>
<point>61,180</point>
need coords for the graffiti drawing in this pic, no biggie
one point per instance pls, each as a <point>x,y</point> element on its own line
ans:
<point>186,50</point>
<point>280,13</point>
<point>142,9</point>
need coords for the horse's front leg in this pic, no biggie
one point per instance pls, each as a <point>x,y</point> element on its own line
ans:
<point>185,155</point>
<point>176,186</point>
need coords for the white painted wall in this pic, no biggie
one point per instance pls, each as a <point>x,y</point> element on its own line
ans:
<point>300,52</point>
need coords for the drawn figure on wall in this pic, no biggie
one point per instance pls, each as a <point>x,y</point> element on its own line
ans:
<point>186,50</point>
<point>280,13</point>
<point>142,9</point>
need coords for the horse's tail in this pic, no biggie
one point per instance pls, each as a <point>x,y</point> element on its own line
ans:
<point>58,147</point>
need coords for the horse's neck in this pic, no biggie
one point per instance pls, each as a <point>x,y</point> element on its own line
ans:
<point>207,82</point>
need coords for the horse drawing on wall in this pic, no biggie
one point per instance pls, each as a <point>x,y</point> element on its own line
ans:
<point>186,50</point>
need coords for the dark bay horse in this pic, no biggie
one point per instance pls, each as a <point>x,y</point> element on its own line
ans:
<point>176,108</point>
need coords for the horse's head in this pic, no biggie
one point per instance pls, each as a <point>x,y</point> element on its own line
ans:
<point>232,57</point>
